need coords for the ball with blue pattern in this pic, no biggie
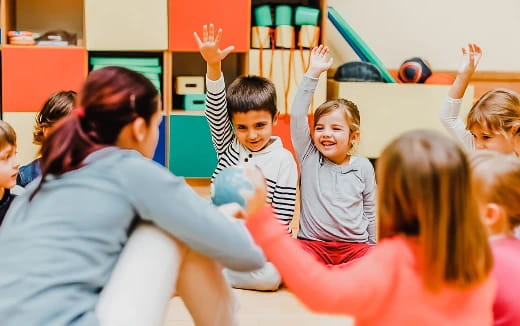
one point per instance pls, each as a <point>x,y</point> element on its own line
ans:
<point>229,186</point>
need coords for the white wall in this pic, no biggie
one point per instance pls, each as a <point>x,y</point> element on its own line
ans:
<point>433,29</point>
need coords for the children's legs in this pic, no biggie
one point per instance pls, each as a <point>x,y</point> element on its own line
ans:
<point>266,278</point>
<point>316,249</point>
<point>151,265</point>
<point>335,253</point>
<point>345,252</point>
<point>205,293</point>
<point>143,280</point>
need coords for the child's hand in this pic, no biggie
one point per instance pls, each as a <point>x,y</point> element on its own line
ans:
<point>319,61</point>
<point>256,199</point>
<point>208,46</point>
<point>470,59</point>
<point>233,210</point>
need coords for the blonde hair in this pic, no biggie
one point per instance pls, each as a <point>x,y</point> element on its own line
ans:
<point>349,109</point>
<point>424,190</point>
<point>7,135</point>
<point>496,178</point>
<point>497,110</point>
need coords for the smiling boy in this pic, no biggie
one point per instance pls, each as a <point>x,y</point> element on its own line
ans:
<point>241,126</point>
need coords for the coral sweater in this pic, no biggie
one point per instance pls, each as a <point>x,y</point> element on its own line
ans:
<point>383,288</point>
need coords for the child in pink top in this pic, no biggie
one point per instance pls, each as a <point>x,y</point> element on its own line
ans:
<point>433,263</point>
<point>496,179</point>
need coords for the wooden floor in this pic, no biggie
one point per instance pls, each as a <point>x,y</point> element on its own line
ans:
<point>279,308</point>
<point>256,308</point>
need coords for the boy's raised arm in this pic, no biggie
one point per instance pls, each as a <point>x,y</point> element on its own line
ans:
<point>209,49</point>
<point>216,107</point>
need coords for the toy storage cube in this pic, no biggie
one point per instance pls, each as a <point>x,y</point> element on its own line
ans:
<point>233,16</point>
<point>31,74</point>
<point>194,102</point>
<point>191,151</point>
<point>189,85</point>
<point>130,25</point>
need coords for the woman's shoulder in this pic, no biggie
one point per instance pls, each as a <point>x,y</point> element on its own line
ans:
<point>123,162</point>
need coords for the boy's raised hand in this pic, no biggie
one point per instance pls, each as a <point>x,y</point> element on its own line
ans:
<point>319,61</point>
<point>209,45</point>
<point>470,59</point>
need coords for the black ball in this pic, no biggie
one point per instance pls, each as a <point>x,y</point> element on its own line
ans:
<point>414,70</point>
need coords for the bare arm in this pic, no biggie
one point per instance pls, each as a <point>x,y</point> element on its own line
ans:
<point>470,59</point>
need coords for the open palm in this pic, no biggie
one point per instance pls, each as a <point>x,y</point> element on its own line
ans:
<point>209,45</point>
<point>319,61</point>
<point>470,59</point>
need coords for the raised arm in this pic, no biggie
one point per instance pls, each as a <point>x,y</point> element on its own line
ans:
<point>216,107</point>
<point>470,59</point>
<point>449,113</point>
<point>300,133</point>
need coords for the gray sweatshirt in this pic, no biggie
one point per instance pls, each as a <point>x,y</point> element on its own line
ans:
<point>337,201</point>
<point>58,250</point>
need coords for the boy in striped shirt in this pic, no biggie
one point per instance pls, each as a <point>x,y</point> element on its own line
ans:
<point>241,125</point>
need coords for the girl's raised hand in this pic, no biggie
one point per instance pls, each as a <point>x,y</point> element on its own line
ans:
<point>319,61</point>
<point>209,45</point>
<point>470,59</point>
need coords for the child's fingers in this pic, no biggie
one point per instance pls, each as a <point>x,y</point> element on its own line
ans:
<point>478,49</point>
<point>324,50</point>
<point>227,50</point>
<point>197,39</point>
<point>211,32</point>
<point>219,36</point>
<point>205,33</point>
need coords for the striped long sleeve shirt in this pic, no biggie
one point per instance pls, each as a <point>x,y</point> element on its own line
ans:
<point>276,162</point>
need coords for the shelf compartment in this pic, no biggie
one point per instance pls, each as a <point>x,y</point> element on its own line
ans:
<point>39,72</point>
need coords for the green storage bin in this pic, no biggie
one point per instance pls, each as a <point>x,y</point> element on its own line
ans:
<point>141,69</point>
<point>263,15</point>
<point>306,16</point>
<point>194,102</point>
<point>122,61</point>
<point>283,15</point>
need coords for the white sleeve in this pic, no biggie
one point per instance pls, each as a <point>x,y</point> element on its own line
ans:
<point>449,116</point>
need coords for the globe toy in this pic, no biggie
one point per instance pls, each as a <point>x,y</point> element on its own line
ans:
<point>230,186</point>
<point>414,70</point>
